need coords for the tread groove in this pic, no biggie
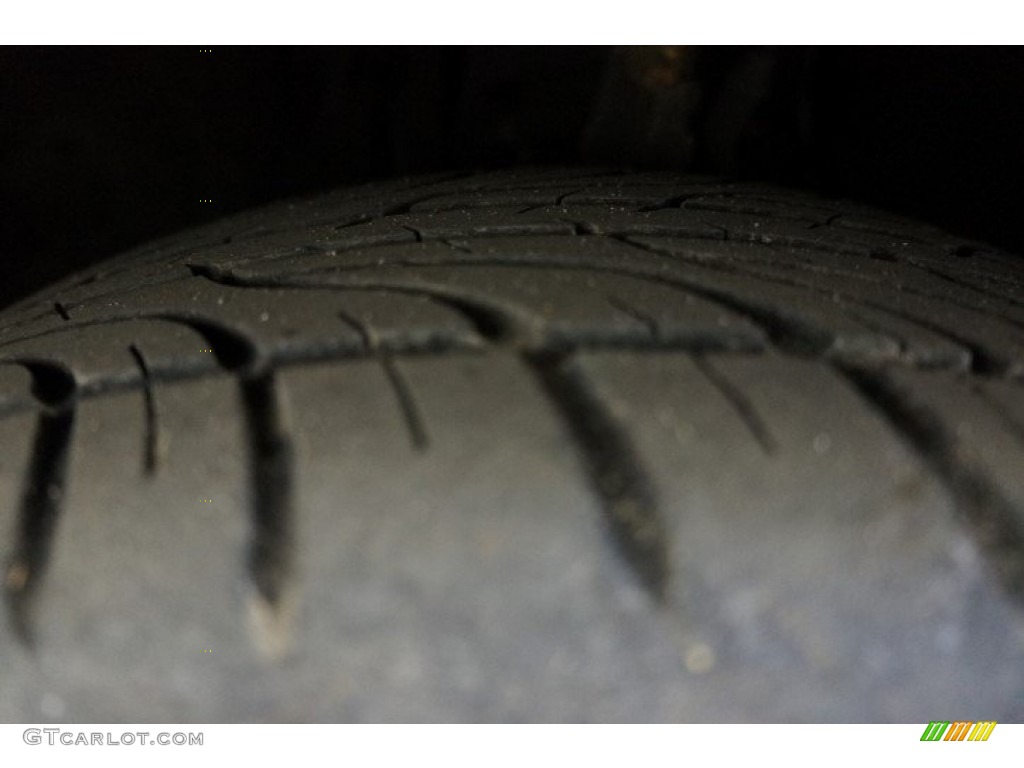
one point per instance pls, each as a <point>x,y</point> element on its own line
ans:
<point>41,507</point>
<point>271,475</point>
<point>491,320</point>
<point>406,403</point>
<point>42,498</point>
<point>630,311</point>
<point>407,406</point>
<point>615,472</point>
<point>981,362</point>
<point>748,414</point>
<point>786,333</point>
<point>270,457</point>
<point>814,269</point>
<point>972,287</point>
<point>151,435</point>
<point>585,229</point>
<point>992,520</point>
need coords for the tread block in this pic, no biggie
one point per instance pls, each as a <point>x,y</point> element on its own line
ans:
<point>822,570</point>
<point>143,608</point>
<point>491,594</point>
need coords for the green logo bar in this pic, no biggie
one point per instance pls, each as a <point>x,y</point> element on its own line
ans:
<point>934,731</point>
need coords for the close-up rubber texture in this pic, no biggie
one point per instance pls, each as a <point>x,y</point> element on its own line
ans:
<point>543,445</point>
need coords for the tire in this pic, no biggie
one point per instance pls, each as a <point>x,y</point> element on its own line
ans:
<point>543,445</point>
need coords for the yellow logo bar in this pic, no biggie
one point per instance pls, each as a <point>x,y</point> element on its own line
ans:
<point>982,731</point>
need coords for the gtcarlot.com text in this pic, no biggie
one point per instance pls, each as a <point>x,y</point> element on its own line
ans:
<point>55,736</point>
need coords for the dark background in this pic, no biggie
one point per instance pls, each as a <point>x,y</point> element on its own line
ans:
<point>103,148</point>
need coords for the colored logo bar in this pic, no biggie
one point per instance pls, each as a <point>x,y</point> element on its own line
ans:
<point>958,731</point>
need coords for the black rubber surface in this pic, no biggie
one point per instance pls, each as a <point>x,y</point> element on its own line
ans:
<point>544,445</point>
